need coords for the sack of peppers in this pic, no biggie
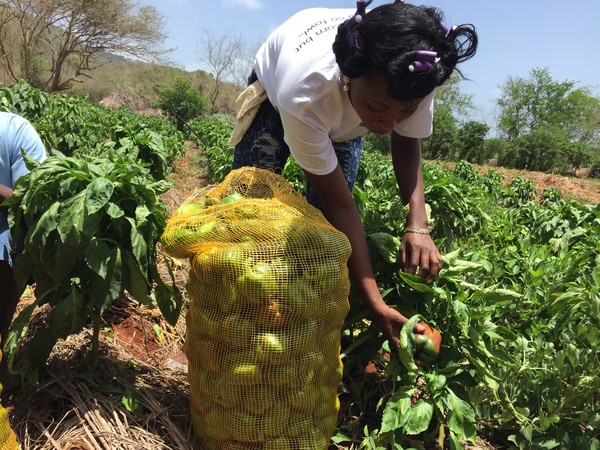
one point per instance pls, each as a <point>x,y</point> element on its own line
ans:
<point>269,290</point>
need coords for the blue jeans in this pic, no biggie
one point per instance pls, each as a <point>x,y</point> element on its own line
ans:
<point>263,146</point>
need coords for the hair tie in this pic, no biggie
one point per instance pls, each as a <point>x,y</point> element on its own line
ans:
<point>351,23</point>
<point>424,61</point>
<point>447,30</point>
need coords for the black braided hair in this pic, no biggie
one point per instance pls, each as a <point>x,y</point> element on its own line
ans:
<point>387,40</point>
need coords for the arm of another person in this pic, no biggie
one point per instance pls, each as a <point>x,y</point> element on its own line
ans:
<point>5,192</point>
<point>20,134</point>
<point>417,250</point>
<point>340,210</point>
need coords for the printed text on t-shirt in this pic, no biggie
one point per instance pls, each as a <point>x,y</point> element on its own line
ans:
<point>317,29</point>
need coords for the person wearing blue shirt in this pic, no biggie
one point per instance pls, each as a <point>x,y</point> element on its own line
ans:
<point>16,133</point>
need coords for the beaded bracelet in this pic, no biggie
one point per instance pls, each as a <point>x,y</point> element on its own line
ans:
<point>416,230</point>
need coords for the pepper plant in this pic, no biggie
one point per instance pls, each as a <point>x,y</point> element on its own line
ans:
<point>92,227</point>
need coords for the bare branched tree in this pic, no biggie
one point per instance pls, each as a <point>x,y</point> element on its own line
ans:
<point>52,43</point>
<point>229,59</point>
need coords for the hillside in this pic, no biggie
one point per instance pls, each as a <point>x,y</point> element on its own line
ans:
<point>123,81</point>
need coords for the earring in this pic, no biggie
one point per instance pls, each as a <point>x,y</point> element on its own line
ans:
<point>346,81</point>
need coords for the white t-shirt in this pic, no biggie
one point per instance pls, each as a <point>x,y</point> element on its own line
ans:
<point>296,66</point>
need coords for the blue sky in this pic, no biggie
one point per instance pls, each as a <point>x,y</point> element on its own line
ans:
<point>515,36</point>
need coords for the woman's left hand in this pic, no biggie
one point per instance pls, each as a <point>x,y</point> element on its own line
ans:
<point>418,251</point>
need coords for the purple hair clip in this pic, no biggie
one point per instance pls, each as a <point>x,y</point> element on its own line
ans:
<point>357,18</point>
<point>447,30</point>
<point>424,61</point>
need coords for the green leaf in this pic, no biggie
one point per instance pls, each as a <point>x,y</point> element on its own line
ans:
<point>97,257</point>
<point>139,247</point>
<point>106,292</point>
<point>134,280</point>
<point>395,413</point>
<point>435,382</point>
<point>132,400</point>
<point>114,211</point>
<point>498,294</point>
<point>71,217</point>
<point>419,417</point>
<point>18,330</point>
<point>406,346</point>
<point>169,301</point>
<point>387,245</point>
<point>417,283</point>
<point>97,194</point>
<point>69,315</point>
<point>463,316</point>
<point>461,418</point>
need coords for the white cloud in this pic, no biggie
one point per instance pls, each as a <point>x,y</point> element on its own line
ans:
<point>250,4</point>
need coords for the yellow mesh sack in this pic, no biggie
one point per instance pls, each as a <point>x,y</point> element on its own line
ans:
<point>8,439</point>
<point>269,289</point>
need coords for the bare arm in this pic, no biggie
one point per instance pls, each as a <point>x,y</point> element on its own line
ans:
<point>417,250</point>
<point>341,212</point>
<point>5,192</point>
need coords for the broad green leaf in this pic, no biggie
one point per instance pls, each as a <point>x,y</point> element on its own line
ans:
<point>37,238</point>
<point>114,211</point>
<point>70,314</point>
<point>139,246</point>
<point>461,418</point>
<point>499,294</point>
<point>134,281</point>
<point>387,245</point>
<point>169,301</point>
<point>132,401</point>
<point>435,382</point>
<point>396,411</point>
<point>18,330</point>
<point>141,216</point>
<point>97,257</point>
<point>461,313</point>
<point>419,417</point>
<point>97,195</point>
<point>415,282</point>
<point>71,217</point>
<point>406,346</point>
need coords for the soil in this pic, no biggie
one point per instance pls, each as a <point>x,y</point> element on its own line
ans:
<point>71,407</point>
<point>580,188</point>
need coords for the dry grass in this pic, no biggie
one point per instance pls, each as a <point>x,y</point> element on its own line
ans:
<point>72,407</point>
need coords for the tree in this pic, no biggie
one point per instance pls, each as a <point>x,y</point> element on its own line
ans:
<point>451,106</point>
<point>540,102</point>
<point>51,43</point>
<point>471,142</point>
<point>228,58</point>
<point>551,125</point>
<point>182,102</point>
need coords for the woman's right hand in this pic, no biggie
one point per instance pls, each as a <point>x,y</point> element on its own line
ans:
<point>390,322</point>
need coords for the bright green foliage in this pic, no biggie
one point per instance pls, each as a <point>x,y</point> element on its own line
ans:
<point>552,126</point>
<point>92,227</point>
<point>517,303</point>
<point>518,306</point>
<point>92,219</point>
<point>212,134</point>
<point>182,102</point>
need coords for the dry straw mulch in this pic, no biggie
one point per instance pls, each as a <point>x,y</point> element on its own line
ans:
<point>75,408</point>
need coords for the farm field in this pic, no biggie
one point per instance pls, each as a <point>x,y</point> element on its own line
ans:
<point>85,418</point>
<point>518,301</point>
